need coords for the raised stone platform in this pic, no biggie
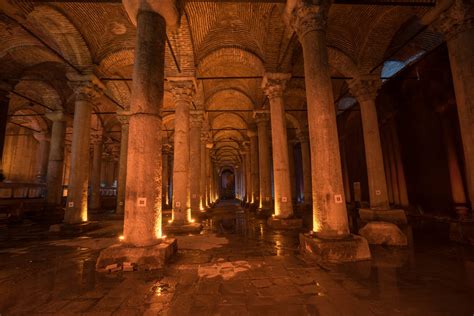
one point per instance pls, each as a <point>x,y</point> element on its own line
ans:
<point>183,229</point>
<point>73,229</point>
<point>383,233</point>
<point>395,216</point>
<point>353,248</point>
<point>142,258</point>
<point>285,223</point>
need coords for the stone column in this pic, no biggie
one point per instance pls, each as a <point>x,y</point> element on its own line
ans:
<point>183,91</point>
<point>402,186</point>
<point>264,161</point>
<point>273,85</point>
<point>122,174</point>
<point>195,124</point>
<point>87,90</point>
<point>248,174</point>
<point>142,222</point>
<point>43,155</point>
<point>255,196</point>
<point>5,88</point>
<point>208,174</point>
<point>306,162</point>
<point>54,181</point>
<point>291,165</point>
<point>365,91</point>
<point>457,24</point>
<point>455,176</point>
<point>202,175</point>
<point>97,145</point>
<point>166,181</point>
<point>330,219</point>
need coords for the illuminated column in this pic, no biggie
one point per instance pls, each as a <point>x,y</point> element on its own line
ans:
<point>291,166</point>
<point>365,91</point>
<point>202,175</point>
<point>208,174</point>
<point>166,152</point>
<point>345,172</point>
<point>402,186</point>
<point>87,89</point>
<point>42,157</point>
<point>255,198</point>
<point>183,91</point>
<point>54,182</point>
<point>273,85</point>
<point>123,118</point>
<point>142,222</point>
<point>329,208</point>
<point>4,105</point>
<point>195,124</point>
<point>306,162</point>
<point>263,160</point>
<point>457,25</point>
<point>247,173</point>
<point>96,167</point>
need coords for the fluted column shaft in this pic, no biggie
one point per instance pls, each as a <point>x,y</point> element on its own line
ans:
<point>264,161</point>
<point>274,85</point>
<point>87,89</point>
<point>365,90</point>
<point>54,181</point>
<point>329,208</point>
<point>182,92</point>
<point>142,222</point>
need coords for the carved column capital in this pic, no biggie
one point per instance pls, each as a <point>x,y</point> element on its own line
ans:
<point>365,88</point>
<point>305,18</point>
<point>455,20</point>
<point>196,117</point>
<point>261,117</point>
<point>56,116</point>
<point>86,87</point>
<point>167,149</point>
<point>302,137</point>
<point>97,138</point>
<point>182,89</point>
<point>42,136</point>
<point>274,84</point>
<point>166,8</point>
<point>123,117</point>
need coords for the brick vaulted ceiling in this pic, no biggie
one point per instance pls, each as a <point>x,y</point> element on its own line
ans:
<point>41,41</point>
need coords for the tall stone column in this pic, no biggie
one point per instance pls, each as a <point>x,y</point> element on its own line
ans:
<point>122,173</point>
<point>273,85</point>
<point>87,90</point>
<point>183,91</point>
<point>365,91</point>
<point>166,172</point>
<point>208,174</point>
<point>97,145</point>
<point>330,219</point>
<point>345,172</point>
<point>195,124</point>
<point>291,165</point>
<point>4,105</point>
<point>255,196</point>
<point>202,175</point>
<point>457,25</point>
<point>455,176</point>
<point>402,186</point>
<point>264,161</point>
<point>54,181</point>
<point>306,162</point>
<point>44,141</point>
<point>248,174</point>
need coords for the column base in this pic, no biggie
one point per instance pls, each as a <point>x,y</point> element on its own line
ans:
<point>183,229</point>
<point>383,233</point>
<point>73,229</point>
<point>350,249</point>
<point>395,216</point>
<point>284,223</point>
<point>263,213</point>
<point>142,258</point>
<point>462,232</point>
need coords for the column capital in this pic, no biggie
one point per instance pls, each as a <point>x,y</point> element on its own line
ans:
<point>251,133</point>
<point>166,149</point>
<point>196,117</point>
<point>5,89</point>
<point>261,116</point>
<point>96,137</point>
<point>56,116</point>
<point>123,117</point>
<point>457,19</point>
<point>182,88</point>
<point>86,87</point>
<point>365,87</point>
<point>304,18</point>
<point>166,8</point>
<point>302,137</point>
<point>274,84</point>
<point>43,136</point>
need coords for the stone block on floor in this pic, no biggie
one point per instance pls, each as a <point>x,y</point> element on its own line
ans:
<point>383,233</point>
<point>395,216</point>
<point>285,223</point>
<point>350,249</point>
<point>183,229</point>
<point>144,258</point>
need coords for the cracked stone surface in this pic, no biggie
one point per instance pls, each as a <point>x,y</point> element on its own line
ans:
<point>243,268</point>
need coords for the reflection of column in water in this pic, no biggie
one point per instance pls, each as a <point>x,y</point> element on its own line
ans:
<point>387,279</point>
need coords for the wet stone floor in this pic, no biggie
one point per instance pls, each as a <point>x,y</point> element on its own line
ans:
<point>236,266</point>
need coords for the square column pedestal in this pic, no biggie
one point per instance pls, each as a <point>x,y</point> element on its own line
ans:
<point>350,249</point>
<point>382,227</point>
<point>141,258</point>
<point>187,228</point>
<point>284,223</point>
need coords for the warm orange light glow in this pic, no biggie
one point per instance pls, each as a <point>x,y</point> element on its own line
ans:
<point>121,238</point>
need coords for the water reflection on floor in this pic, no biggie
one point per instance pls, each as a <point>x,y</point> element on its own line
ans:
<point>236,266</point>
